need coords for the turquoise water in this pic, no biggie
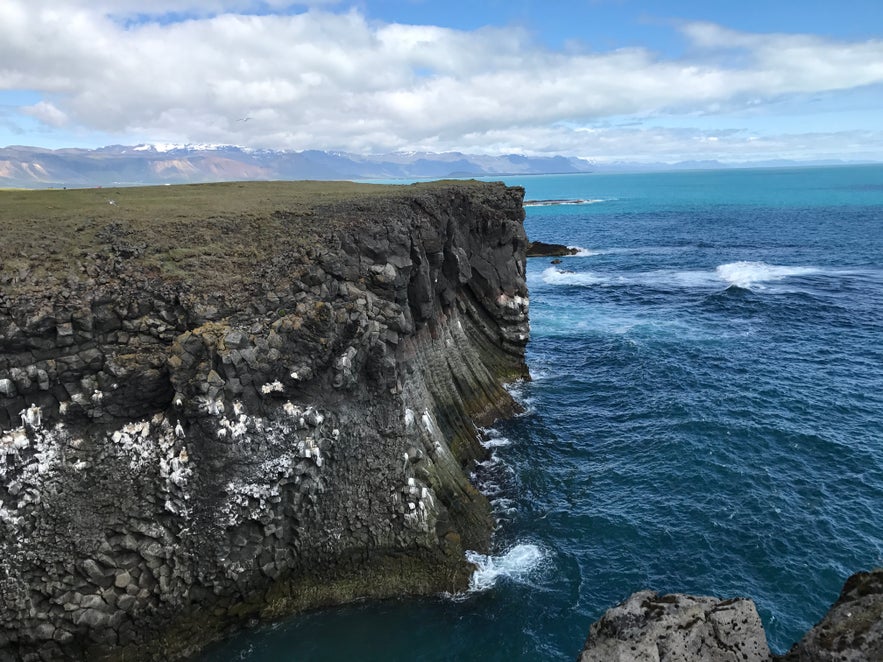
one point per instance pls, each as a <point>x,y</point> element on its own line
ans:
<point>706,416</point>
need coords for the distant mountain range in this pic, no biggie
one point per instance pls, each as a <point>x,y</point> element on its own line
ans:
<point>174,164</point>
<point>118,165</point>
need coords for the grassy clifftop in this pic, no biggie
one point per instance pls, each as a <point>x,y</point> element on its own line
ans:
<point>213,230</point>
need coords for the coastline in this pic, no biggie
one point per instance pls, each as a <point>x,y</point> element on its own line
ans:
<point>252,413</point>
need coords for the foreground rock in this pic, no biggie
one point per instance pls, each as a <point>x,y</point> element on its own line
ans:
<point>652,628</point>
<point>852,630</point>
<point>210,416</point>
<point>682,628</point>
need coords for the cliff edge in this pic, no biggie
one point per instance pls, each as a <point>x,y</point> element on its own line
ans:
<point>236,401</point>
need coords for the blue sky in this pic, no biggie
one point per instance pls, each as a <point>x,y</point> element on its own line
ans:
<point>605,24</point>
<point>605,80</point>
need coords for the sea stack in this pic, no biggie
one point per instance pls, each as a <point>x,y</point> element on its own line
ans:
<point>222,403</point>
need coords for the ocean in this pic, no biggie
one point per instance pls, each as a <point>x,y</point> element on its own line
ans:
<point>705,416</point>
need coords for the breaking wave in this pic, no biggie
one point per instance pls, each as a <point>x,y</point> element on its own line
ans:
<point>554,276</point>
<point>553,203</point>
<point>515,565</point>
<point>585,252</point>
<point>493,439</point>
<point>748,274</point>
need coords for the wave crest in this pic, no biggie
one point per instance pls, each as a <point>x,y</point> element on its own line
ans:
<point>745,275</point>
<point>748,274</point>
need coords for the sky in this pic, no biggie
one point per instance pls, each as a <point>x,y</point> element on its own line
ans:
<point>605,80</point>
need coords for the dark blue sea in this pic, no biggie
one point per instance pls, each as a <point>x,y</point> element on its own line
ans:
<point>705,416</point>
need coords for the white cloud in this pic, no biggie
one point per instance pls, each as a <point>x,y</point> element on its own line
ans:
<point>791,63</point>
<point>670,145</point>
<point>195,7</point>
<point>337,81</point>
<point>46,113</point>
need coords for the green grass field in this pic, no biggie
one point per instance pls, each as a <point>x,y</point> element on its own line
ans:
<point>173,231</point>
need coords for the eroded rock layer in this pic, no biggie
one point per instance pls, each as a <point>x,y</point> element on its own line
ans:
<point>183,452</point>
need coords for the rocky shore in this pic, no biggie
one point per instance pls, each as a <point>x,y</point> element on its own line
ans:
<point>232,402</point>
<point>684,628</point>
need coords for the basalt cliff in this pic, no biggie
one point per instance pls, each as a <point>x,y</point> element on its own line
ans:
<point>227,402</point>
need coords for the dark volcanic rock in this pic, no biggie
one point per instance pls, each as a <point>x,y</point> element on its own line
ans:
<point>683,628</point>
<point>852,630</point>
<point>276,419</point>
<point>677,628</point>
<point>540,249</point>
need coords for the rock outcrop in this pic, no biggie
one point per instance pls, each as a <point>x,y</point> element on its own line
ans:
<point>542,249</point>
<point>211,416</point>
<point>648,627</point>
<point>852,630</point>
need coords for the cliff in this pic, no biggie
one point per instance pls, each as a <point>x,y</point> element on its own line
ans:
<point>228,402</point>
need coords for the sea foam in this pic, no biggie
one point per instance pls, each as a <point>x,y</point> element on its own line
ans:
<point>747,275</point>
<point>585,252</point>
<point>750,274</point>
<point>554,276</point>
<point>515,565</point>
<point>568,202</point>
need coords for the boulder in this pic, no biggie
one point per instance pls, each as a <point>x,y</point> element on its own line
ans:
<point>649,627</point>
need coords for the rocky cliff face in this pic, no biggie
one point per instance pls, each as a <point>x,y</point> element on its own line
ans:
<point>183,450</point>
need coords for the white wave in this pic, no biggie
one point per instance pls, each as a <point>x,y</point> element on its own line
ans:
<point>516,565</point>
<point>554,276</point>
<point>585,252</point>
<point>742,274</point>
<point>749,274</point>
<point>488,487</point>
<point>539,373</point>
<point>517,390</point>
<point>555,203</point>
<point>503,506</point>
<point>489,463</point>
<point>496,441</point>
<point>592,252</point>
